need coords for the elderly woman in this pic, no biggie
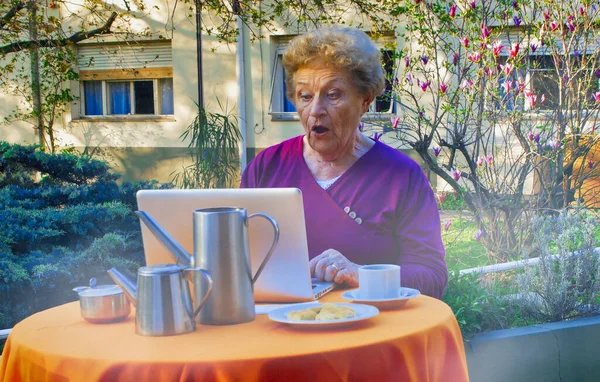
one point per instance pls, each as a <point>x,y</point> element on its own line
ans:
<point>364,202</point>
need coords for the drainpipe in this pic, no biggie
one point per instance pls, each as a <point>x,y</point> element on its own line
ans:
<point>241,69</point>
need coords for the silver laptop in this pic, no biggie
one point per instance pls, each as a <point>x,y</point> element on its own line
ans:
<point>285,278</point>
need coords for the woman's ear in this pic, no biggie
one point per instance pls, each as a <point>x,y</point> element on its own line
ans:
<point>366,102</point>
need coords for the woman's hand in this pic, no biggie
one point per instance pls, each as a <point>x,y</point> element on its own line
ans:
<point>333,266</point>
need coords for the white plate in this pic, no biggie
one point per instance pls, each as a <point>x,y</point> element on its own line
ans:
<point>404,294</point>
<point>362,312</point>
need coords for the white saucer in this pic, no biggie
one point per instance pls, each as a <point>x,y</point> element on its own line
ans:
<point>404,294</point>
<point>362,312</point>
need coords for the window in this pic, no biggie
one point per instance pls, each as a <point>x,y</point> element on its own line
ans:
<point>139,97</point>
<point>545,74</point>
<point>126,79</point>
<point>281,108</point>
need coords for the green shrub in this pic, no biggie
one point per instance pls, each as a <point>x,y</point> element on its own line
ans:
<point>63,220</point>
<point>451,201</point>
<point>476,308</point>
<point>565,282</point>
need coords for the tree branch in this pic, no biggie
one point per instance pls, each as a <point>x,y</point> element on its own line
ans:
<point>48,43</point>
<point>11,13</point>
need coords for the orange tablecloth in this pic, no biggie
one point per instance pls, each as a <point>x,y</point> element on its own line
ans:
<point>419,342</point>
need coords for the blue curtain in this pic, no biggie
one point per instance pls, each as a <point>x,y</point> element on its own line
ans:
<point>93,97</point>
<point>166,96</point>
<point>118,98</point>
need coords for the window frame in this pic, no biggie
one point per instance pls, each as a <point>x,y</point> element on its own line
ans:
<point>156,95</point>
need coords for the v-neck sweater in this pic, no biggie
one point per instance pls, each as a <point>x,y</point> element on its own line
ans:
<point>381,210</point>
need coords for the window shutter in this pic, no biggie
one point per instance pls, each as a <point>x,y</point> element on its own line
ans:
<point>121,61</point>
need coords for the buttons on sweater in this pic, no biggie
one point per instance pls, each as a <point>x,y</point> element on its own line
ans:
<point>352,215</point>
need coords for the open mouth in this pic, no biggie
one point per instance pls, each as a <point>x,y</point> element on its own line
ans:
<point>319,129</point>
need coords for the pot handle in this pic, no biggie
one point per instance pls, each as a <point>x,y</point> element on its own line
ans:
<point>206,275</point>
<point>275,241</point>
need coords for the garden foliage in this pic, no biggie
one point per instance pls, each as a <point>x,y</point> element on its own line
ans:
<point>63,219</point>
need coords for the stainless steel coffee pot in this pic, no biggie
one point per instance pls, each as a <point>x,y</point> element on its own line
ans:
<point>162,298</point>
<point>221,247</point>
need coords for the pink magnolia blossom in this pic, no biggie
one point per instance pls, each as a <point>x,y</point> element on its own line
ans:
<point>597,73</point>
<point>466,84</point>
<point>497,48</point>
<point>485,32</point>
<point>424,85</point>
<point>489,71</point>
<point>456,174</point>
<point>479,234</point>
<point>448,224</point>
<point>507,68</point>
<point>542,99</point>
<point>442,198</point>
<point>436,150</point>
<point>474,56</point>
<point>553,26</point>
<point>480,161</point>
<point>424,59</point>
<point>507,85</point>
<point>531,136</point>
<point>581,11</point>
<point>514,50</point>
<point>455,58</point>
<point>533,46</point>
<point>554,144</point>
<point>443,88</point>
<point>520,85</point>
<point>452,10</point>
<point>407,61</point>
<point>547,14</point>
<point>590,163</point>
<point>376,136</point>
<point>473,4</point>
<point>409,78</point>
<point>489,159</point>
<point>465,41</point>
<point>571,26</point>
<point>597,96</point>
<point>517,20</point>
<point>395,120</point>
<point>530,98</point>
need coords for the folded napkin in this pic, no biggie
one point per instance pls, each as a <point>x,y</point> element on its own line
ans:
<point>268,308</point>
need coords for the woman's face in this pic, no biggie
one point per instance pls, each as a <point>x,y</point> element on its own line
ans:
<point>330,107</point>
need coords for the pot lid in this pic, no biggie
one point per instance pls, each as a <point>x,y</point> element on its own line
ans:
<point>99,290</point>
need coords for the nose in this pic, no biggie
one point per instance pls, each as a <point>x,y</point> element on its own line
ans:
<point>317,106</point>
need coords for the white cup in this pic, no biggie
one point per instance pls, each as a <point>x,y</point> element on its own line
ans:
<point>378,281</point>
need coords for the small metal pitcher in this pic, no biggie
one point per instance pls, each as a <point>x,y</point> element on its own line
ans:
<point>162,298</point>
<point>221,247</point>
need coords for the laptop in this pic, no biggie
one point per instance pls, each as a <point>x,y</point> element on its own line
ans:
<point>286,276</point>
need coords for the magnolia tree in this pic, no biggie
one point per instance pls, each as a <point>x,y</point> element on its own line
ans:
<point>500,99</point>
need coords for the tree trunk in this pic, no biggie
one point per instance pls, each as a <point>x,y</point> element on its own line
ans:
<point>36,92</point>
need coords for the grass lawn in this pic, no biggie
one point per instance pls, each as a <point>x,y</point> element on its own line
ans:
<point>462,249</point>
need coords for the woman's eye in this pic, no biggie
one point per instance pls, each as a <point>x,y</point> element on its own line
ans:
<point>305,97</point>
<point>334,95</point>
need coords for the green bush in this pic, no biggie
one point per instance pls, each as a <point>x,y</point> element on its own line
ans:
<point>63,219</point>
<point>476,309</point>
<point>451,201</point>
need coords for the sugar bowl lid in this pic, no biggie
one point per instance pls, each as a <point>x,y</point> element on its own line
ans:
<point>98,290</point>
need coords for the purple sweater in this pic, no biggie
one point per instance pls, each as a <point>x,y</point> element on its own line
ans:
<point>381,210</point>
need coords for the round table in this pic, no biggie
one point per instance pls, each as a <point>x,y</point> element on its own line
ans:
<point>418,342</point>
